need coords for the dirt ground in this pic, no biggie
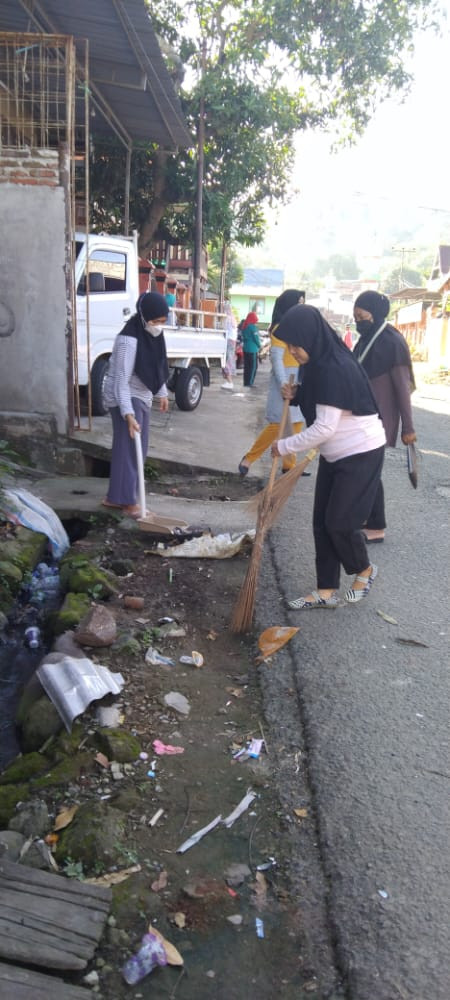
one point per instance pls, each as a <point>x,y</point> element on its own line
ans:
<point>223,959</point>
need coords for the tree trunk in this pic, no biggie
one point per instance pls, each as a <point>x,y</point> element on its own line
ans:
<point>159,202</point>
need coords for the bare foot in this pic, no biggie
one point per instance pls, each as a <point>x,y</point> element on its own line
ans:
<point>374,535</point>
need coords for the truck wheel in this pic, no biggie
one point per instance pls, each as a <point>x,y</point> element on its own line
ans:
<point>188,388</point>
<point>98,375</point>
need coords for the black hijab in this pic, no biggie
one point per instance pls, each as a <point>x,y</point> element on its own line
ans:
<point>332,376</point>
<point>151,357</point>
<point>390,349</point>
<point>290,297</point>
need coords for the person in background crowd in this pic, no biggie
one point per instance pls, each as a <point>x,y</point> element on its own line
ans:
<point>384,355</point>
<point>283,365</point>
<point>229,370</point>
<point>251,345</point>
<point>138,370</point>
<point>344,424</point>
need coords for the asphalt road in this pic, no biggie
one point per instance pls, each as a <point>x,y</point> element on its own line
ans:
<point>365,718</point>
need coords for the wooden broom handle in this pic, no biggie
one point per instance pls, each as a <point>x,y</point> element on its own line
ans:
<point>282,425</point>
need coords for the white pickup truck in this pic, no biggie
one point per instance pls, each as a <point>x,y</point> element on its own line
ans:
<point>108,299</point>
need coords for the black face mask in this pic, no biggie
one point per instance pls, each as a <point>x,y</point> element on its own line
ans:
<point>365,326</point>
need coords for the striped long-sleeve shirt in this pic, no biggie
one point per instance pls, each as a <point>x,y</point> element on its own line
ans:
<point>121,382</point>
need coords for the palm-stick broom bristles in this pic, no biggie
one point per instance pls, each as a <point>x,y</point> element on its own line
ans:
<point>244,609</point>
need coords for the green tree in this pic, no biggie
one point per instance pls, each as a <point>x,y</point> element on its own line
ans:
<point>340,265</point>
<point>234,270</point>
<point>272,68</point>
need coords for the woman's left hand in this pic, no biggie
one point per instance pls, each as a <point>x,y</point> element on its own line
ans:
<point>163,404</point>
<point>274,450</point>
<point>409,438</point>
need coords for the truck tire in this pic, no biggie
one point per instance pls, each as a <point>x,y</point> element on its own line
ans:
<point>98,374</point>
<point>188,388</point>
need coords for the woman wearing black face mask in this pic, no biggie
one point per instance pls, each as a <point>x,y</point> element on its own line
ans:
<point>384,354</point>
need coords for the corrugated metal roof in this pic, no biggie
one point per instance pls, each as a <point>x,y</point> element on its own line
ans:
<point>126,67</point>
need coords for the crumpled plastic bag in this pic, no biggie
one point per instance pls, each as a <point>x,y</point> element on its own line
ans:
<point>72,683</point>
<point>208,546</point>
<point>272,639</point>
<point>28,510</point>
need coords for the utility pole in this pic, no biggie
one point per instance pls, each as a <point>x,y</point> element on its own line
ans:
<point>199,199</point>
<point>403,251</point>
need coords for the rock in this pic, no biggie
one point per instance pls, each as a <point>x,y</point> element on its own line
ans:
<point>11,572</point>
<point>122,567</point>
<point>41,722</point>
<point>118,744</point>
<point>37,856</point>
<point>136,603</point>
<point>23,768</point>
<point>171,631</point>
<point>93,837</point>
<point>68,769</point>
<point>178,702</point>
<point>31,819</point>
<point>97,628</point>
<point>10,795</point>
<point>3,621</point>
<point>236,874</point>
<point>73,610</point>
<point>80,576</point>
<point>11,844</point>
<point>128,645</point>
<point>236,919</point>
<point>67,645</point>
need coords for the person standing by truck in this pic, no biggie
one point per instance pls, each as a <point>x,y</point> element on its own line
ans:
<point>251,345</point>
<point>138,370</point>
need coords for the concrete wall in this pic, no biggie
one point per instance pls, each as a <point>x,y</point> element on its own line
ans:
<point>33,301</point>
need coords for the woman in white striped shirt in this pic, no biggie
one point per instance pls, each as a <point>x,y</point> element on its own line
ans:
<point>138,370</point>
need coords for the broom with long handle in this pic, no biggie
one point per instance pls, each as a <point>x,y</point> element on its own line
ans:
<point>244,609</point>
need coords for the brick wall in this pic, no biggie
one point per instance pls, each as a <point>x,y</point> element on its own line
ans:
<point>39,167</point>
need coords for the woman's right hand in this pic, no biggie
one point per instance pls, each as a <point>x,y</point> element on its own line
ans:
<point>133,425</point>
<point>288,391</point>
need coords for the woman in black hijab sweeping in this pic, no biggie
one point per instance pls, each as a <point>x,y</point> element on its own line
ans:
<point>384,355</point>
<point>343,423</point>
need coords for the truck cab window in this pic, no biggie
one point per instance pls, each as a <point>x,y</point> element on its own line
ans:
<point>107,271</point>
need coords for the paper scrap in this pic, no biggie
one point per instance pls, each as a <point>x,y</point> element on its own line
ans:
<point>198,836</point>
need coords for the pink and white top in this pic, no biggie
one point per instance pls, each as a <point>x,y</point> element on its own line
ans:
<point>337,434</point>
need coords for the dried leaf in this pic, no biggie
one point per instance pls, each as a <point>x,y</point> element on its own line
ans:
<point>387,618</point>
<point>301,813</point>
<point>180,920</point>
<point>411,642</point>
<point>113,878</point>
<point>173,956</point>
<point>65,817</point>
<point>160,882</point>
<point>272,639</point>
<point>51,839</point>
<point>212,635</point>
<point>236,692</point>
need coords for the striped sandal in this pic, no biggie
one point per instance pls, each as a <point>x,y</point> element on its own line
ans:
<point>318,602</point>
<point>353,596</point>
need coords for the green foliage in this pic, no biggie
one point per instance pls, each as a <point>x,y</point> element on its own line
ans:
<point>340,265</point>
<point>234,270</point>
<point>271,69</point>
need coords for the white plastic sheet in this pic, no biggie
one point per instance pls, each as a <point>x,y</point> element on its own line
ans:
<point>26,509</point>
<point>208,546</point>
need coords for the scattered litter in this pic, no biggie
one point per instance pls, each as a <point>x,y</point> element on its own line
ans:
<point>101,759</point>
<point>243,805</point>
<point>179,919</point>
<point>301,813</point>
<point>198,836</point>
<point>160,882</point>
<point>166,620</point>
<point>211,974</point>
<point>65,817</point>
<point>237,873</point>
<point>271,863</point>
<point>26,509</point>
<point>253,750</point>
<point>172,954</point>
<point>207,547</point>
<point>236,692</point>
<point>387,618</point>
<point>116,771</point>
<point>272,639</point>
<point>212,635</point>
<point>157,659</point>
<point>71,684</point>
<point>194,660</point>
<point>411,642</point>
<point>157,815</point>
<point>113,878</point>
<point>137,603</point>
<point>143,755</point>
<point>165,748</point>
<point>151,954</point>
<point>178,702</point>
<point>259,924</point>
<point>151,774</point>
<point>170,575</point>
<point>236,919</point>
<point>170,630</point>
<point>108,716</point>
<point>92,978</point>
<point>383,893</point>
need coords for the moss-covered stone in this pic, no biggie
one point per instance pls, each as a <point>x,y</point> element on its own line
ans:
<point>73,610</point>
<point>68,743</point>
<point>24,768</point>
<point>94,837</point>
<point>12,573</point>
<point>67,770</point>
<point>41,722</point>
<point>118,745</point>
<point>25,549</point>
<point>10,795</point>
<point>127,645</point>
<point>79,575</point>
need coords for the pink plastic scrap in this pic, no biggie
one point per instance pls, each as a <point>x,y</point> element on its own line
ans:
<point>165,748</point>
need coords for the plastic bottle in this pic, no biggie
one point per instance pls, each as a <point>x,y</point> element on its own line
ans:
<point>150,954</point>
<point>33,636</point>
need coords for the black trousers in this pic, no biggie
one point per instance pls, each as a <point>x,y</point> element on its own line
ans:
<point>250,367</point>
<point>344,496</point>
<point>377,518</point>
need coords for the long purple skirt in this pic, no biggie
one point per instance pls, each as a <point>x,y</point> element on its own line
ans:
<point>123,476</point>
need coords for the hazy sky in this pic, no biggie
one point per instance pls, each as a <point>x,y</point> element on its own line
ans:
<point>402,160</point>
